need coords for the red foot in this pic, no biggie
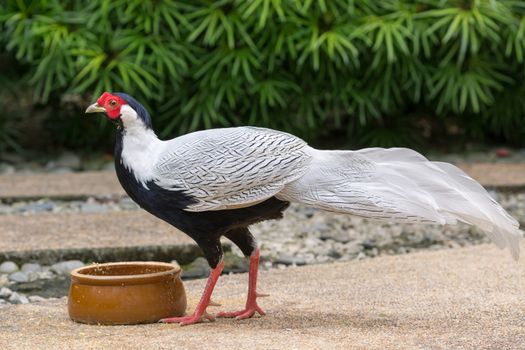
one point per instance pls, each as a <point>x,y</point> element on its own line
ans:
<point>187,320</point>
<point>243,314</point>
<point>251,302</point>
<point>200,314</point>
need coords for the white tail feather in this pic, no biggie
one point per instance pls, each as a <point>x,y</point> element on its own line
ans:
<point>401,185</point>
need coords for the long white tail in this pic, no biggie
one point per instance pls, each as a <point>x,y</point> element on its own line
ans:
<point>401,185</point>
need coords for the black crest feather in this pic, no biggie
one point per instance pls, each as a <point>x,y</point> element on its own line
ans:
<point>137,107</point>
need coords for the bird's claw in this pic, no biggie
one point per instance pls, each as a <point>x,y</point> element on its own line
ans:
<point>187,320</point>
<point>248,312</point>
<point>214,303</point>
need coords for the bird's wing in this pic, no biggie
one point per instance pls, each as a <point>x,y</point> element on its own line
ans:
<point>232,167</point>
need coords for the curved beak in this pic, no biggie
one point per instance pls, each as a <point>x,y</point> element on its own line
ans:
<point>95,108</point>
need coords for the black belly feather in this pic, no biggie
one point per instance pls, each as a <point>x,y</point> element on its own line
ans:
<point>205,227</point>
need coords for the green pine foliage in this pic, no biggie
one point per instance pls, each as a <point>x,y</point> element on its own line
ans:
<point>368,71</point>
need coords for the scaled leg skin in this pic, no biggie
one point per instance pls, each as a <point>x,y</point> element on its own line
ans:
<point>251,302</point>
<point>200,314</point>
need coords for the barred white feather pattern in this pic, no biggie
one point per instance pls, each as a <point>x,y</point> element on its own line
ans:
<point>401,185</point>
<point>232,167</point>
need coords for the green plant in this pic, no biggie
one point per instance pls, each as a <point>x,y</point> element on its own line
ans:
<point>367,68</point>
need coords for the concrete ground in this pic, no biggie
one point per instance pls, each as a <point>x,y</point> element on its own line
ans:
<point>51,237</point>
<point>496,174</point>
<point>470,298</point>
<point>60,185</point>
<point>66,231</point>
<point>106,183</point>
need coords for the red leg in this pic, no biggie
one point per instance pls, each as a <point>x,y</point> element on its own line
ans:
<point>251,301</point>
<point>200,313</point>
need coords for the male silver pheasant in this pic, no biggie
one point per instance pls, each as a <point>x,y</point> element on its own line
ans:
<point>217,182</point>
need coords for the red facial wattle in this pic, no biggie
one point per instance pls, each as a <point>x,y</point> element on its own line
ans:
<point>111,104</point>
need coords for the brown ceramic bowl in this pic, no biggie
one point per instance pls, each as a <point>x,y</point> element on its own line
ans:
<point>126,293</point>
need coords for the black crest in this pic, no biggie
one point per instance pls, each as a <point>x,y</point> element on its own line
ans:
<point>137,107</point>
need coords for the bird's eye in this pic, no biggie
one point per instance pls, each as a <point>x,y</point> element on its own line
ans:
<point>112,103</point>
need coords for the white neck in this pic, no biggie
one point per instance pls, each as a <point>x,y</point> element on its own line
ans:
<point>140,146</point>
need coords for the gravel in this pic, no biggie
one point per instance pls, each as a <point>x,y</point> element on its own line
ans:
<point>90,205</point>
<point>8,267</point>
<point>31,267</point>
<point>7,169</point>
<point>4,280</point>
<point>37,207</point>
<point>292,260</point>
<point>19,286</point>
<point>16,298</point>
<point>90,208</point>
<point>65,267</point>
<point>36,298</point>
<point>66,162</point>
<point>198,268</point>
<point>5,292</point>
<point>19,277</point>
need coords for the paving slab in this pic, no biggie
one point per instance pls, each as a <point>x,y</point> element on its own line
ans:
<point>101,183</point>
<point>496,174</point>
<point>51,237</point>
<point>74,185</point>
<point>58,230</point>
<point>468,298</point>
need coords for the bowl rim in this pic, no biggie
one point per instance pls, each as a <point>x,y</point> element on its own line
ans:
<point>78,277</point>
